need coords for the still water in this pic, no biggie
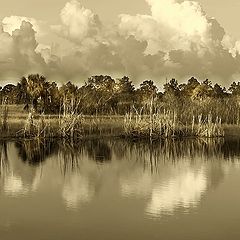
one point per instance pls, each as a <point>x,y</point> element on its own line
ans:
<point>116,189</point>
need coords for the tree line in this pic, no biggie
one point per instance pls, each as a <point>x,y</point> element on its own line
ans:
<point>105,95</point>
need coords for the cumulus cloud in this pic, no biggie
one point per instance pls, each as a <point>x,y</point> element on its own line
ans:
<point>6,54</point>
<point>79,24</point>
<point>14,22</point>
<point>171,26</point>
<point>194,43</point>
<point>17,51</point>
<point>6,45</point>
<point>25,45</point>
<point>177,39</point>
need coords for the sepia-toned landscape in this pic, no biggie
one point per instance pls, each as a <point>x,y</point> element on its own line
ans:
<point>119,120</point>
<point>37,108</point>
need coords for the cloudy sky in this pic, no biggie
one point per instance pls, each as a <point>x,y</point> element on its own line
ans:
<point>157,39</point>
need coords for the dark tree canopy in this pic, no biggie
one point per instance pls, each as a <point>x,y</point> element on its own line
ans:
<point>105,95</point>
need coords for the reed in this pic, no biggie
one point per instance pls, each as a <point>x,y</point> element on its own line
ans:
<point>208,128</point>
<point>30,129</point>
<point>70,126</point>
<point>168,125</point>
<point>5,126</point>
<point>152,122</point>
<point>70,122</point>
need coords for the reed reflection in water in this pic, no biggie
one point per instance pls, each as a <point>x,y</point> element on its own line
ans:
<point>167,176</point>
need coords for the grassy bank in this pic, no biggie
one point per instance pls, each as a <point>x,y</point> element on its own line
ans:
<point>169,125</point>
<point>17,123</point>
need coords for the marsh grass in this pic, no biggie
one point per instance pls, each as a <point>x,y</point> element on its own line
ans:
<point>152,124</point>
<point>168,125</point>
<point>5,126</point>
<point>70,126</point>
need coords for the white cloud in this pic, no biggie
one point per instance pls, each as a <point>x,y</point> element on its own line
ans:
<point>171,26</point>
<point>79,24</point>
<point>6,45</point>
<point>14,22</point>
<point>176,40</point>
<point>18,54</point>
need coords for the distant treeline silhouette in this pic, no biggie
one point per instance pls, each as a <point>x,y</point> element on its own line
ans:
<point>105,95</point>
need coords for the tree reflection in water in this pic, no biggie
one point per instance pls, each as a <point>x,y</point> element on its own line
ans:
<point>36,151</point>
<point>171,174</point>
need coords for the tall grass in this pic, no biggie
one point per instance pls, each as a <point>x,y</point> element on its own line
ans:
<point>168,125</point>
<point>150,122</point>
<point>5,126</point>
<point>70,122</point>
<point>70,126</point>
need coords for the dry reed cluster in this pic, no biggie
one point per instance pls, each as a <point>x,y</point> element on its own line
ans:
<point>168,125</point>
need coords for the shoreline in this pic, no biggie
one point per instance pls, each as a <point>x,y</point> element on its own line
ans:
<point>19,124</point>
<point>103,129</point>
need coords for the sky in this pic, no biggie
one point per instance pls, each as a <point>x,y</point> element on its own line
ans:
<point>226,12</point>
<point>157,39</point>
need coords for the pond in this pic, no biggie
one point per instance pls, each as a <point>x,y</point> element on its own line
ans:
<point>116,189</point>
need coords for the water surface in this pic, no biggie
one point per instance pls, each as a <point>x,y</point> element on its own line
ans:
<point>116,189</point>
